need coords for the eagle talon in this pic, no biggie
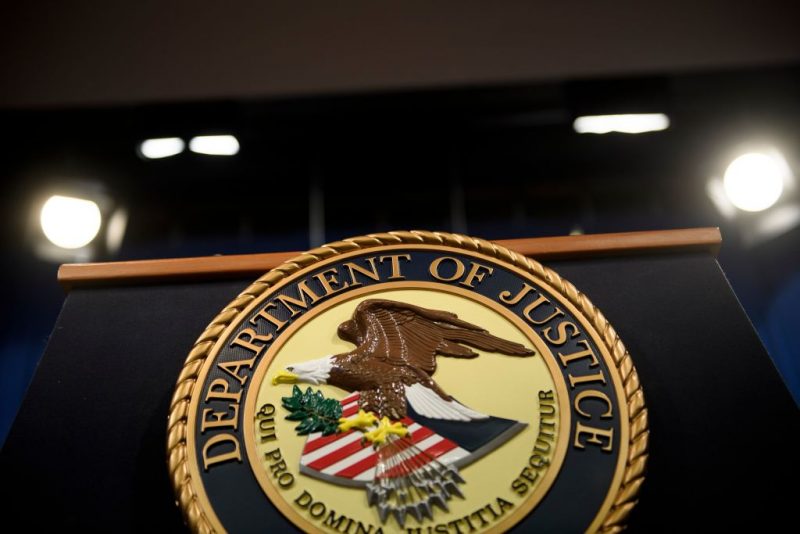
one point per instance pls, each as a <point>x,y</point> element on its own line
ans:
<point>385,429</point>
<point>362,420</point>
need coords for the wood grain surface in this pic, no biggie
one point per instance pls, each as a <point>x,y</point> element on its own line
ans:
<point>252,265</point>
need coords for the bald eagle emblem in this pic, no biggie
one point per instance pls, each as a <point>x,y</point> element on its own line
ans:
<point>401,435</point>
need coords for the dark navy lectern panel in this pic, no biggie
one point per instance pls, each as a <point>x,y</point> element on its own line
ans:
<point>87,448</point>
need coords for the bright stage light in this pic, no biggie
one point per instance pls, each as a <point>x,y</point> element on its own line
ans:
<point>755,181</point>
<point>215,145</point>
<point>630,123</point>
<point>70,222</point>
<point>161,148</point>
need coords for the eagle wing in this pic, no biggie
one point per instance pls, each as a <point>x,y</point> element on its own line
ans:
<point>408,335</point>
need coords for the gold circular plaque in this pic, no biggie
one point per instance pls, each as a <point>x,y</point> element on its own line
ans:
<point>408,382</point>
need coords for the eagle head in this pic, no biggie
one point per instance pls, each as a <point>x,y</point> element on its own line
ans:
<point>311,372</point>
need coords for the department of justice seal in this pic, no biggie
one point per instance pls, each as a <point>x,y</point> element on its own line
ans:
<point>409,382</point>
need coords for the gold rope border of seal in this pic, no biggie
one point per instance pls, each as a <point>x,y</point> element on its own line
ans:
<point>182,483</point>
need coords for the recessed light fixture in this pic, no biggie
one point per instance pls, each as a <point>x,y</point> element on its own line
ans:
<point>163,147</point>
<point>629,123</point>
<point>215,145</point>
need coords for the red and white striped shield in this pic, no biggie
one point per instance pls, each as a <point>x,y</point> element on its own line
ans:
<point>342,458</point>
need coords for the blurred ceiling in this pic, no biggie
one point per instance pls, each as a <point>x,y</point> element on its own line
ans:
<point>82,52</point>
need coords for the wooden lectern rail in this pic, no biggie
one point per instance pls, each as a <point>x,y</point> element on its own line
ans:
<point>251,265</point>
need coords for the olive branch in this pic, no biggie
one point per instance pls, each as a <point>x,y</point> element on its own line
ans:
<point>315,412</point>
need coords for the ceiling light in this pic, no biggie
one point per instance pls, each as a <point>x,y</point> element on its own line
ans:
<point>163,147</point>
<point>70,222</point>
<point>215,145</point>
<point>755,181</point>
<point>631,123</point>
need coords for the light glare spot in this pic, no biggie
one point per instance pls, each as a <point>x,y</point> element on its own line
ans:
<point>70,222</point>
<point>630,123</point>
<point>115,230</point>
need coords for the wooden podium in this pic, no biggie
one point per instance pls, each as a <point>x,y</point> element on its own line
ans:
<point>87,449</point>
